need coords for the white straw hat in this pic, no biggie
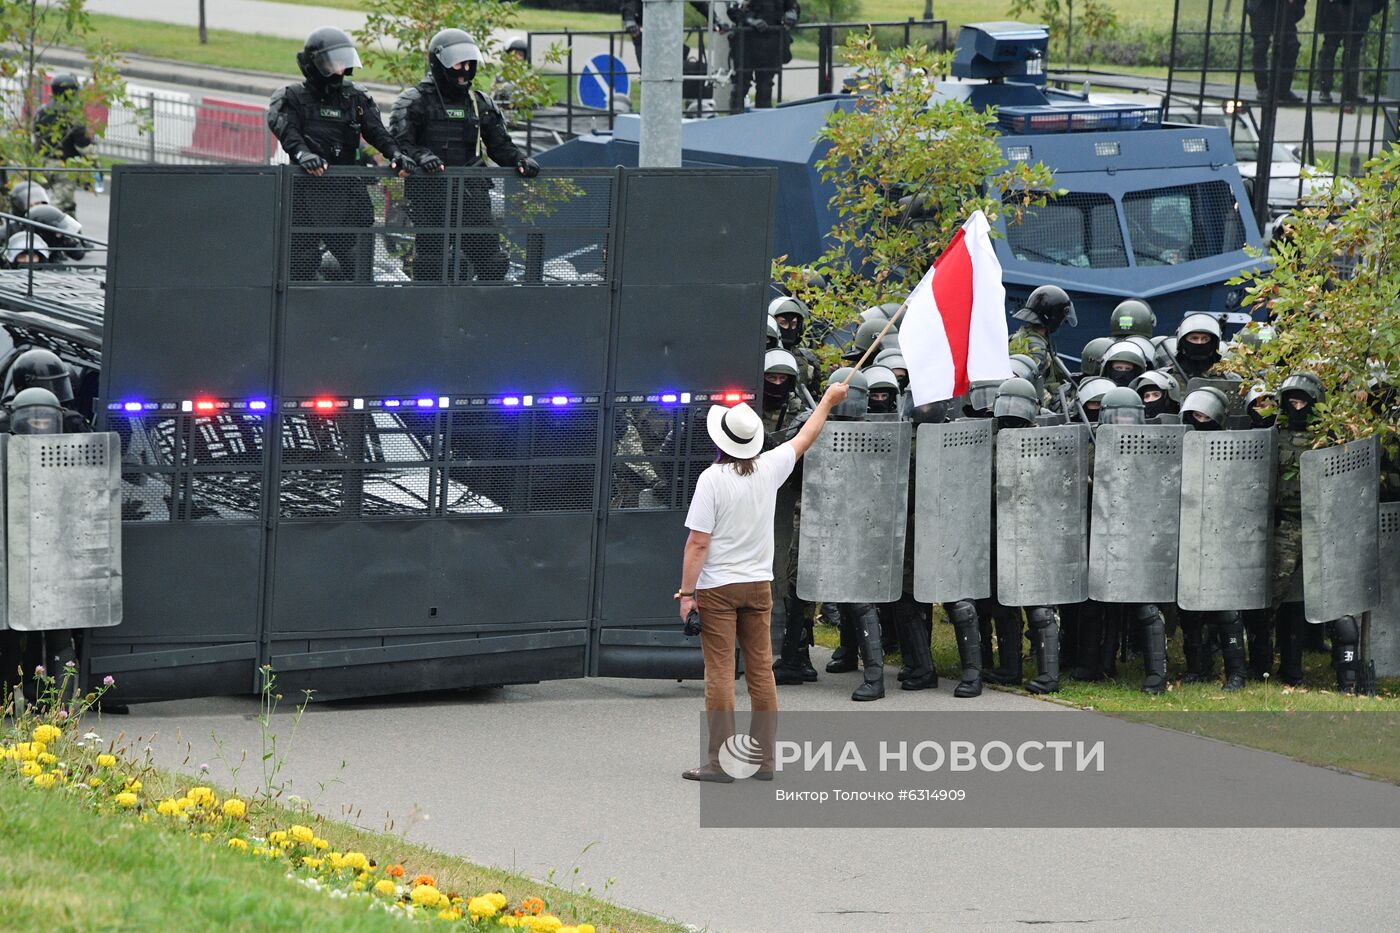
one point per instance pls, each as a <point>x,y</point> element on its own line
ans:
<point>737,431</point>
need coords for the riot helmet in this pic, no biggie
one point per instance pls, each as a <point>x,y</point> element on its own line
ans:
<point>884,390</point>
<point>1049,307</point>
<point>1160,393</point>
<point>1017,404</point>
<point>64,85</point>
<point>930,413</point>
<point>1121,405</point>
<point>864,337</point>
<point>36,411</point>
<point>1298,396</point>
<point>25,195</point>
<point>26,247</point>
<point>328,57</point>
<point>1023,367</point>
<point>40,368</point>
<point>51,216</point>
<point>857,399</point>
<point>1132,318</point>
<point>893,360</point>
<point>874,313</point>
<point>981,398</point>
<point>779,378</point>
<point>775,336</point>
<point>1205,409</point>
<point>1091,357</point>
<point>889,342</point>
<point>1198,338</point>
<point>1166,352</point>
<point>518,46</point>
<point>791,315</point>
<point>1091,396</point>
<point>1123,363</point>
<point>1257,401</point>
<point>448,49</point>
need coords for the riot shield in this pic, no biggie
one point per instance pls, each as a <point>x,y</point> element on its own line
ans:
<point>1042,515</point>
<point>855,502</point>
<point>1233,388</point>
<point>1341,498</point>
<point>1136,513</point>
<point>1227,491</point>
<point>63,529</point>
<point>953,511</point>
<point>1385,618</point>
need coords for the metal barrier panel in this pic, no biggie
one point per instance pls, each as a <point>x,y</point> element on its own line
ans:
<point>1340,498</point>
<point>1135,523</point>
<point>1227,502</point>
<point>1385,619</point>
<point>1042,519</point>
<point>953,511</point>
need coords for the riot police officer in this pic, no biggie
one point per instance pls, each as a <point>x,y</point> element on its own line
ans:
<point>1091,395</point>
<point>892,358</point>
<point>38,368</point>
<point>1206,410</point>
<point>865,336</point>
<point>1133,317</point>
<point>759,45</point>
<point>25,196</point>
<point>792,316</point>
<point>1123,363</point>
<point>1046,310</point>
<point>1198,346</point>
<point>775,336</point>
<point>320,123</point>
<point>1160,394</point>
<point>883,390</point>
<point>1262,407</point>
<point>65,245</point>
<point>1091,357</point>
<point>60,134</point>
<point>1271,20</point>
<point>441,121</point>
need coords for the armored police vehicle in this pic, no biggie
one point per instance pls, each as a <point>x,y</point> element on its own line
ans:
<point>1145,208</point>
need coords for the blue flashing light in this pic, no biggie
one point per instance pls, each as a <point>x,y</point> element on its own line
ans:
<point>510,401</point>
<point>391,403</point>
<point>559,400</point>
<point>426,403</point>
<point>132,406</point>
<point>257,404</point>
<point>669,398</point>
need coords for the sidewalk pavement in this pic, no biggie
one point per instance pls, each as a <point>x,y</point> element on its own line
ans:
<point>587,773</point>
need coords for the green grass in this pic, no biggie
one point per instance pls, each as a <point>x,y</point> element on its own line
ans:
<point>65,866</point>
<point>1312,723</point>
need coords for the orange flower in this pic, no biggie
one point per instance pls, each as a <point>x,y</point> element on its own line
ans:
<point>424,879</point>
<point>533,904</point>
<point>395,871</point>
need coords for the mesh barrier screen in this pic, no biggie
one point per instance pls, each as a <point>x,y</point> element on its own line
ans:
<point>1169,226</point>
<point>450,228</point>
<point>658,455</point>
<point>187,467</point>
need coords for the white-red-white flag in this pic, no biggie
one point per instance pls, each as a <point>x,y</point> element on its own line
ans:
<point>953,331</point>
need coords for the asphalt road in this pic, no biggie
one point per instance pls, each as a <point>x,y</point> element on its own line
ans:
<point>587,773</point>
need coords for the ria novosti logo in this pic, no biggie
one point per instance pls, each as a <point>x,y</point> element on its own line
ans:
<point>740,756</point>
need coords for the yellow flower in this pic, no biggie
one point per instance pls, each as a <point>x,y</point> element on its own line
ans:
<point>125,800</point>
<point>96,782</point>
<point>301,834</point>
<point>313,863</point>
<point>357,886</point>
<point>277,837</point>
<point>482,907</point>
<point>201,796</point>
<point>356,860</point>
<point>134,786</point>
<point>235,809</point>
<point>548,923</point>
<point>106,761</point>
<point>497,898</point>
<point>319,843</point>
<point>28,751</point>
<point>45,780</point>
<point>184,803</point>
<point>44,758</point>
<point>449,913</point>
<point>586,928</point>
<point>47,733</point>
<point>568,930</point>
<point>240,844</point>
<point>336,859</point>
<point>425,895</point>
<point>30,768</point>
<point>386,887</point>
<point>508,921</point>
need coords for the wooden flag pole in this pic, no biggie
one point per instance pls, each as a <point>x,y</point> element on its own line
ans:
<point>876,342</point>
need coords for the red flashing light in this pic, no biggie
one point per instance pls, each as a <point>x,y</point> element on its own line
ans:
<point>204,405</point>
<point>733,397</point>
<point>324,403</point>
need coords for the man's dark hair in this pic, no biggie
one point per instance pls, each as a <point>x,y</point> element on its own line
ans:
<point>742,465</point>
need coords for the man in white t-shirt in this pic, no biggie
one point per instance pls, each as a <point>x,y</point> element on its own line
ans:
<point>728,569</point>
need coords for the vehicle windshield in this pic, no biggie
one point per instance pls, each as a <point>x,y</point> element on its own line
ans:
<point>1170,226</point>
<point>1076,229</point>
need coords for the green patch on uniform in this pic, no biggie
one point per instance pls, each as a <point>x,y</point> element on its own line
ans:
<point>333,113</point>
<point>456,113</point>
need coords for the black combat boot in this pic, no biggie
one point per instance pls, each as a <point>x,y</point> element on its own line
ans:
<point>1232,650</point>
<point>1346,658</point>
<point>845,657</point>
<point>1089,648</point>
<point>1258,625</point>
<point>1290,644</point>
<point>872,652</point>
<point>914,637</point>
<point>1192,640</point>
<point>1154,650</point>
<point>963,615</point>
<point>787,670</point>
<point>1008,629</point>
<point>1045,627</point>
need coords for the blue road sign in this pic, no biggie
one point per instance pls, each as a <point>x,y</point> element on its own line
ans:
<point>602,77</point>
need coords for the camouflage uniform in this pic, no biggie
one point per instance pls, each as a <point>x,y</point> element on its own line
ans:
<point>1036,344</point>
<point>791,642</point>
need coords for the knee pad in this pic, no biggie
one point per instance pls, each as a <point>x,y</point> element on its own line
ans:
<point>1040,617</point>
<point>961,613</point>
<point>1345,631</point>
<point>1147,612</point>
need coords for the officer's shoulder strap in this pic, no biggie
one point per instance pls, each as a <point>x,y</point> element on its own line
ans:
<point>281,94</point>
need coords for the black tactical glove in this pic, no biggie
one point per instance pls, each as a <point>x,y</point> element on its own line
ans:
<point>430,163</point>
<point>527,167</point>
<point>632,28</point>
<point>311,162</point>
<point>402,163</point>
<point>790,19</point>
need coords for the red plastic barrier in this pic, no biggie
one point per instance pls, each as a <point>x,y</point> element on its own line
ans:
<point>229,131</point>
